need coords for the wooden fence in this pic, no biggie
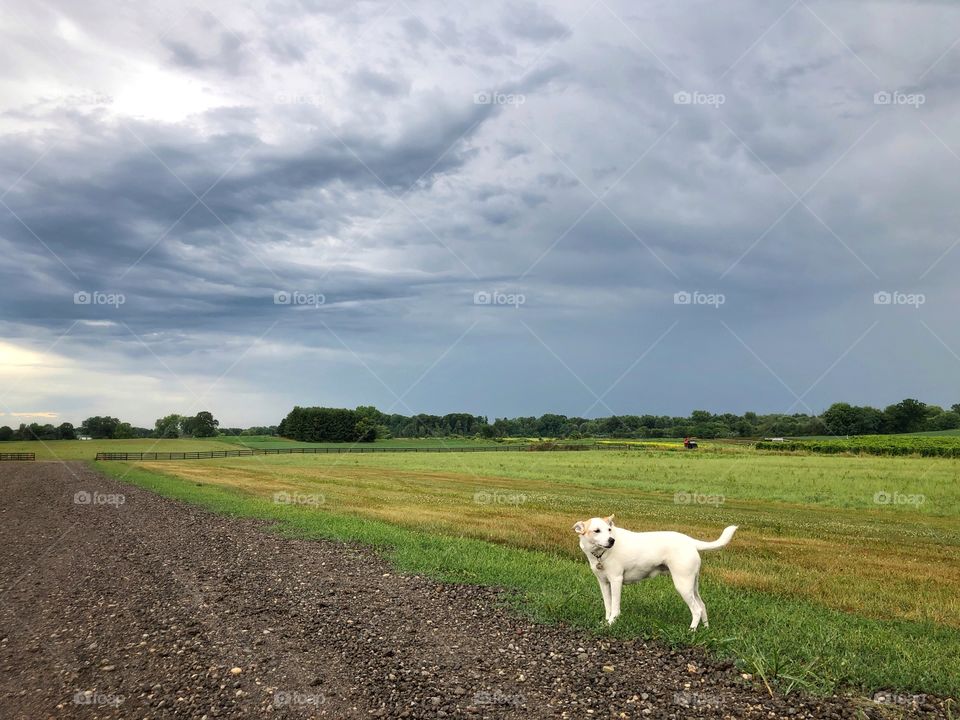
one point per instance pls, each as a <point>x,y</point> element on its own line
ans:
<point>18,456</point>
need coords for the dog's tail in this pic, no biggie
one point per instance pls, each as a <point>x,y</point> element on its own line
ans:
<point>724,538</point>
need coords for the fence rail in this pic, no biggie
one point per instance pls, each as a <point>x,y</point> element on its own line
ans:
<point>18,456</point>
<point>209,454</point>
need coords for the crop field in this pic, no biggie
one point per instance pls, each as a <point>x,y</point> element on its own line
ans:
<point>844,573</point>
<point>922,444</point>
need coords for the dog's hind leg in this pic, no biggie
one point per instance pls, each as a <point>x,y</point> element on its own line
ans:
<point>686,586</point>
<point>703,608</point>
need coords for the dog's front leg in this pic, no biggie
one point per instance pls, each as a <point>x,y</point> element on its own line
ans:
<point>616,585</point>
<point>605,591</point>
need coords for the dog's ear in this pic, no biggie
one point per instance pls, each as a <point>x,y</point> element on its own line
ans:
<point>609,520</point>
<point>580,527</point>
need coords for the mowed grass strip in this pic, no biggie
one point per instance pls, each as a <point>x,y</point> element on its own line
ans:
<point>838,591</point>
<point>781,548</point>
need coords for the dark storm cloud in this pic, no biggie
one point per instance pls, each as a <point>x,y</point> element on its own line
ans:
<point>397,159</point>
<point>125,176</point>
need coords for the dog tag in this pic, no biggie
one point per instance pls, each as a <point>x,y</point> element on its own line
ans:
<point>599,565</point>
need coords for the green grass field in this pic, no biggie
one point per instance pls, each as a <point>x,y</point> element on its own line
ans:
<point>264,442</point>
<point>88,449</point>
<point>844,573</point>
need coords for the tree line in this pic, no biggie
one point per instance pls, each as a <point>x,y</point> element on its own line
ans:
<point>95,427</point>
<point>105,427</point>
<point>366,423</point>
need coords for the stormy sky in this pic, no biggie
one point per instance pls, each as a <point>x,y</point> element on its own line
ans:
<point>502,208</point>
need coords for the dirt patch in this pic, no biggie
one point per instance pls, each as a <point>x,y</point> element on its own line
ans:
<point>117,603</point>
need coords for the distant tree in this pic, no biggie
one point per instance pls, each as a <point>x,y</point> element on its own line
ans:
<point>260,430</point>
<point>366,430</point>
<point>845,419</point>
<point>370,413</point>
<point>6,433</point>
<point>871,421</point>
<point>700,416</point>
<point>66,432</point>
<point>550,425</point>
<point>168,426</point>
<point>35,431</point>
<point>188,425</point>
<point>905,417</point>
<point>944,421</point>
<point>322,424</point>
<point>124,431</point>
<point>612,425</point>
<point>203,424</point>
<point>99,427</point>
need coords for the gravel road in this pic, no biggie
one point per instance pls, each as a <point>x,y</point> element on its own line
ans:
<point>130,605</point>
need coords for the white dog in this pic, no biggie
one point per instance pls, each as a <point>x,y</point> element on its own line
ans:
<point>618,556</point>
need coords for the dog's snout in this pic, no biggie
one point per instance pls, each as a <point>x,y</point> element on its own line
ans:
<point>611,542</point>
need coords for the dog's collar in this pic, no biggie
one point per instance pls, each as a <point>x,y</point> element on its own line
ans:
<point>599,557</point>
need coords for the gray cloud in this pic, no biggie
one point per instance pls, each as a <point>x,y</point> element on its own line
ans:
<point>398,159</point>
